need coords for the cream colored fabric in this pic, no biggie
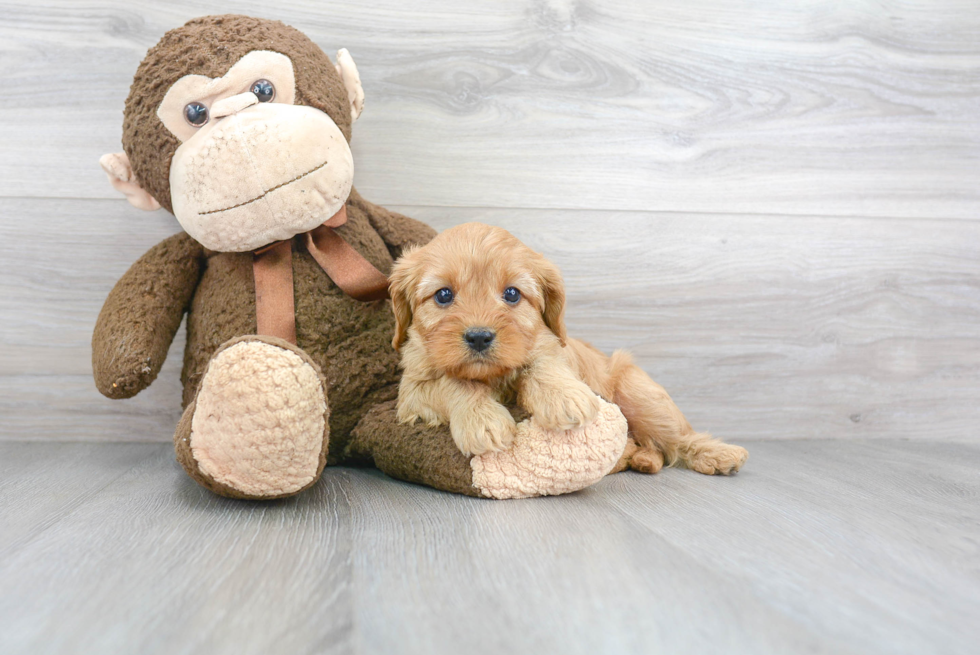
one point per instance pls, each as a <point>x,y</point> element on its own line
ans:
<point>120,173</point>
<point>254,173</point>
<point>259,421</point>
<point>550,463</point>
<point>352,82</point>
<point>258,65</point>
<point>229,106</point>
<point>262,174</point>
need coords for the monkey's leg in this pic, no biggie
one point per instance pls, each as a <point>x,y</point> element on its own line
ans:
<point>258,427</point>
<point>539,462</point>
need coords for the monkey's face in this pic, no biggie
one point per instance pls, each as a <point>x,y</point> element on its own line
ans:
<point>239,126</point>
<point>252,167</point>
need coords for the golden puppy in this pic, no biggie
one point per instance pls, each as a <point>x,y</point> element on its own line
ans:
<point>480,321</point>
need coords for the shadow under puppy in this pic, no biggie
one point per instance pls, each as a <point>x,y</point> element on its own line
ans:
<point>480,322</point>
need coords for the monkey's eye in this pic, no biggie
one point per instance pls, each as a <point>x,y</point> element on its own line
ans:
<point>263,90</point>
<point>444,297</point>
<point>196,114</point>
<point>512,295</point>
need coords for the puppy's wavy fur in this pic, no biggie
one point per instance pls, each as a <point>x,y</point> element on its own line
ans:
<point>530,359</point>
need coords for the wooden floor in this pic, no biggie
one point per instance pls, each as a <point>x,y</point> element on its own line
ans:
<point>816,547</point>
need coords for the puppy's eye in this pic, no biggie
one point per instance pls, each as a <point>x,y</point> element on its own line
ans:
<point>512,295</point>
<point>444,297</point>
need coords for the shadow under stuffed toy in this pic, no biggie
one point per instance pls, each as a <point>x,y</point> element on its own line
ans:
<point>240,127</point>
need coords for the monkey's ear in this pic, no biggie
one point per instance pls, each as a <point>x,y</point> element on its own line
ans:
<point>352,82</point>
<point>553,288</point>
<point>401,288</point>
<point>116,166</point>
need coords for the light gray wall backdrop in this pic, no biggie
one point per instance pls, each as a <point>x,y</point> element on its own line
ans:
<point>773,204</point>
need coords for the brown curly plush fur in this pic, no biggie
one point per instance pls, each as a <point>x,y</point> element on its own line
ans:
<point>346,338</point>
<point>350,341</point>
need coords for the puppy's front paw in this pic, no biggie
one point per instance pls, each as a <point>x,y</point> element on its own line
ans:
<point>411,413</point>
<point>485,427</point>
<point>565,409</point>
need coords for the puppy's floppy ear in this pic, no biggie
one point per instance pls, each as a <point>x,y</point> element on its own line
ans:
<point>553,291</point>
<point>401,287</point>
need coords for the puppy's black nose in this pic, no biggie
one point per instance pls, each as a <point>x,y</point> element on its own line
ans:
<point>479,339</point>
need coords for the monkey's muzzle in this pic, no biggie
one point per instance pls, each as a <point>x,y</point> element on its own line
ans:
<point>262,174</point>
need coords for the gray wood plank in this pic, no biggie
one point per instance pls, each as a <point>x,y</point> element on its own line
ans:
<point>859,538</point>
<point>816,546</point>
<point>562,575</point>
<point>152,563</point>
<point>858,108</point>
<point>761,327</point>
<point>41,483</point>
<point>58,261</point>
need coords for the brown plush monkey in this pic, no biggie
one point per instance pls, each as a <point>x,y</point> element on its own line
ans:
<point>240,127</point>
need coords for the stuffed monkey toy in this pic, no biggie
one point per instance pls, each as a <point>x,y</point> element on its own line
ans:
<point>240,127</point>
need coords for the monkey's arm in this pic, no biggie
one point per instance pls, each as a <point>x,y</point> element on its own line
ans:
<point>141,315</point>
<point>397,231</point>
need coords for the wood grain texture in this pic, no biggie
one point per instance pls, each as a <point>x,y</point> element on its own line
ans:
<point>860,108</point>
<point>816,546</point>
<point>152,563</point>
<point>772,327</point>
<point>41,484</point>
<point>54,276</point>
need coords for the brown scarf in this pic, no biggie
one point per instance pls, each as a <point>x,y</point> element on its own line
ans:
<point>275,308</point>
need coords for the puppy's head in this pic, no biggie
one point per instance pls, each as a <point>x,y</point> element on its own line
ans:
<point>477,299</point>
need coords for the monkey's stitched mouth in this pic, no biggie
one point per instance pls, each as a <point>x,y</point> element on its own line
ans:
<point>266,192</point>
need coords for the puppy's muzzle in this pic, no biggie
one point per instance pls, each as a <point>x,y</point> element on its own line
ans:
<point>479,339</point>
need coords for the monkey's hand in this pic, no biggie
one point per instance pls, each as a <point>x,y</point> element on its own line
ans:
<point>482,427</point>
<point>142,314</point>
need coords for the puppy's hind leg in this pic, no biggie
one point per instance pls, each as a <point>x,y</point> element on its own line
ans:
<point>648,459</point>
<point>660,429</point>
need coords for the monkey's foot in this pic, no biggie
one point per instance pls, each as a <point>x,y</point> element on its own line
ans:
<point>258,426</point>
<point>550,462</point>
